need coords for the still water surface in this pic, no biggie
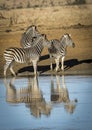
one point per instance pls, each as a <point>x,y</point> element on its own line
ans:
<point>46,103</point>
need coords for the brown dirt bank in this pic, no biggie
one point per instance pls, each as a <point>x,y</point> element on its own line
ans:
<point>54,22</point>
<point>78,60</point>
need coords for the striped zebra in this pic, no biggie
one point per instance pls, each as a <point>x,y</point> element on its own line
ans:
<point>58,50</point>
<point>29,37</point>
<point>25,55</point>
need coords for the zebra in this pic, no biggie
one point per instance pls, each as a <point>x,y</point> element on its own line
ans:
<point>29,36</point>
<point>58,50</point>
<point>25,55</point>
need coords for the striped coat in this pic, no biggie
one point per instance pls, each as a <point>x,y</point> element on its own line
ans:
<point>25,55</point>
<point>58,50</point>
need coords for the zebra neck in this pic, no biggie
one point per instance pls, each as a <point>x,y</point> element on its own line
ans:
<point>63,42</point>
<point>39,47</point>
<point>64,46</point>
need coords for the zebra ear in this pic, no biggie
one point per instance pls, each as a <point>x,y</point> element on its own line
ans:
<point>34,27</point>
<point>65,35</point>
<point>44,35</point>
<point>70,35</point>
<point>51,41</point>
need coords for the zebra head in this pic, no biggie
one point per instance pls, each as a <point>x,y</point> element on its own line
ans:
<point>67,40</point>
<point>32,31</point>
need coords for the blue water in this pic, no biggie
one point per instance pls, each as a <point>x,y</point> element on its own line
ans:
<point>33,104</point>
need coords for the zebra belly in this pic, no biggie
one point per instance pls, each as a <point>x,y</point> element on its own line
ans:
<point>32,58</point>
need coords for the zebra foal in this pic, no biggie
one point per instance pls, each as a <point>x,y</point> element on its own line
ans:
<point>58,50</point>
<point>25,55</point>
<point>29,36</point>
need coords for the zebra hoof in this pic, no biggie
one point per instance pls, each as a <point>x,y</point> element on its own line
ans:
<point>57,70</point>
<point>37,73</point>
<point>62,70</point>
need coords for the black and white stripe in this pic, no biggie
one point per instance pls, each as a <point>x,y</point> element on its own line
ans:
<point>24,55</point>
<point>29,36</point>
<point>58,49</point>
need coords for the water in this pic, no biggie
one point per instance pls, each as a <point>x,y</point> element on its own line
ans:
<point>46,103</point>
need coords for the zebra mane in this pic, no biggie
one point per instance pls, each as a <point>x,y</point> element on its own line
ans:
<point>30,28</point>
<point>63,39</point>
<point>65,35</point>
<point>38,40</point>
<point>54,41</point>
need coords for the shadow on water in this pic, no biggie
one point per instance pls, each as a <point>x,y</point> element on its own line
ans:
<point>43,68</point>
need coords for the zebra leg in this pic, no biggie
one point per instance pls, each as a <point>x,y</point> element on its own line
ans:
<point>57,63</point>
<point>62,62</point>
<point>5,69</point>
<point>35,66</point>
<point>11,69</point>
<point>51,67</point>
<point>7,65</point>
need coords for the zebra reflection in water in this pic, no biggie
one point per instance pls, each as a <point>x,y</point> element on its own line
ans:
<point>60,94</point>
<point>31,95</point>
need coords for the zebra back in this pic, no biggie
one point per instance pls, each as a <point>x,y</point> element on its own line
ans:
<point>16,54</point>
<point>22,55</point>
<point>55,48</point>
<point>29,36</point>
